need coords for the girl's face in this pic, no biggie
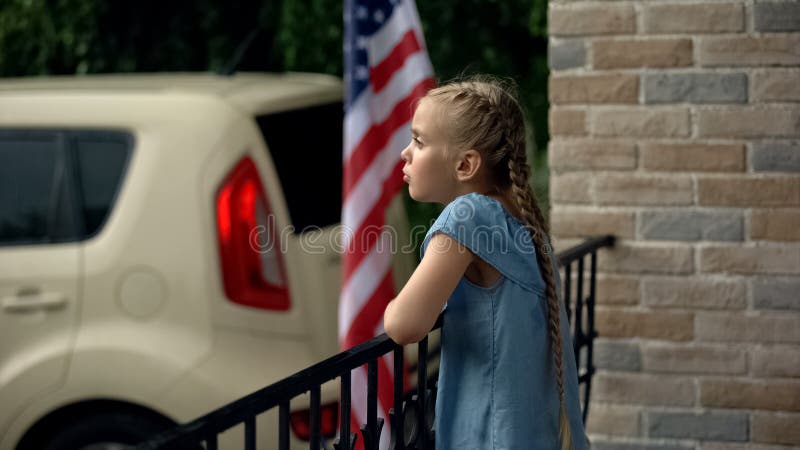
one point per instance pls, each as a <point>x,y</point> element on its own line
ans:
<point>429,172</point>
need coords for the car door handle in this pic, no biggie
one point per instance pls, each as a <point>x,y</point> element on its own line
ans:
<point>33,301</point>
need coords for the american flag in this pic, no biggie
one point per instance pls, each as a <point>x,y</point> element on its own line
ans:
<point>386,70</point>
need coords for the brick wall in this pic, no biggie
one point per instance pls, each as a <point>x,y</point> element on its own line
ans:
<point>675,125</point>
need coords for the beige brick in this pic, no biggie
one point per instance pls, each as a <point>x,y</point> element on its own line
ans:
<point>632,189</point>
<point>775,361</point>
<point>695,359</point>
<point>770,121</point>
<point>775,85</point>
<point>693,18</point>
<point>695,157</point>
<point>635,53</point>
<point>646,259</point>
<point>782,49</point>
<point>567,122</point>
<point>612,88</point>
<point>591,154</point>
<point>664,325</point>
<point>643,389</point>
<point>741,327</point>
<point>702,293</point>
<point>769,395</point>
<point>590,19</point>
<point>773,259</point>
<point>741,191</point>
<point>570,188</point>
<point>775,224</point>
<point>613,420</point>
<point>640,122</point>
<point>776,428</point>
<point>775,293</point>
<point>617,290</point>
<point>571,223</point>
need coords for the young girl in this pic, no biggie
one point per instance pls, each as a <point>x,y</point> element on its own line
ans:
<point>507,377</point>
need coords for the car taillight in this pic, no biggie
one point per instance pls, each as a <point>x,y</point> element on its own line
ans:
<point>252,266</point>
<point>328,420</point>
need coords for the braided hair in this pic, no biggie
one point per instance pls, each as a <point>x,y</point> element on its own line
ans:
<point>484,114</point>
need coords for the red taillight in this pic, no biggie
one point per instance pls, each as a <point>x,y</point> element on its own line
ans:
<point>328,420</point>
<point>252,266</point>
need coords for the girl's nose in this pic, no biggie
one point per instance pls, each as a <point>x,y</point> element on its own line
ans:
<point>405,154</point>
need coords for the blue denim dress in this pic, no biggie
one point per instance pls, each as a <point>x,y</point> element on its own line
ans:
<point>497,383</point>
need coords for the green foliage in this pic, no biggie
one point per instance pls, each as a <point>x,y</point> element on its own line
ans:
<point>39,37</point>
<point>310,36</point>
<point>538,18</point>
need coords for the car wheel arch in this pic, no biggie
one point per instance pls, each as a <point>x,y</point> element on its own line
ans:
<point>35,437</point>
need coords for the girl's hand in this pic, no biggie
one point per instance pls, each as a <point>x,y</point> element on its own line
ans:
<point>411,315</point>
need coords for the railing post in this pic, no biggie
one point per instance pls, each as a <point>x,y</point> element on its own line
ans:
<point>372,430</point>
<point>422,381</point>
<point>345,441</point>
<point>578,339</point>
<point>314,442</point>
<point>250,433</point>
<point>211,441</point>
<point>398,438</point>
<point>591,333</point>
<point>283,425</point>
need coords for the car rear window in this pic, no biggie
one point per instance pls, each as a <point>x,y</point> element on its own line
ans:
<point>31,166</point>
<point>58,185</point>
<point>100,162</point>
<point>306,147</point>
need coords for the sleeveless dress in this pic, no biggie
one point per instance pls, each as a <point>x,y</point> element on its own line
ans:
<point>497,386</point>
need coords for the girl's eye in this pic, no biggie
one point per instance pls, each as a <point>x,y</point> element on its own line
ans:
<point>417,141</point>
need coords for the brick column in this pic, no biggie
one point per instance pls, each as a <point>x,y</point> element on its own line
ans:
<point>675,125</point>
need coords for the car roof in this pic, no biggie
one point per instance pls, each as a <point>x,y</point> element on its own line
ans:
<point>255,92</point>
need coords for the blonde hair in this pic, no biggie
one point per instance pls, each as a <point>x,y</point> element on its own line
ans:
<point>483,113</point>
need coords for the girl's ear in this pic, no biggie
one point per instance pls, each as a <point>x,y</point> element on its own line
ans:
<point>468,165</point>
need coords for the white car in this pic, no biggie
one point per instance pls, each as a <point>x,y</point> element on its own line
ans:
<point>131,297</point>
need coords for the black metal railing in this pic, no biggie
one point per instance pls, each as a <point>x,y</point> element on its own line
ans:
<point>583,331</point>
<point>412,424</point>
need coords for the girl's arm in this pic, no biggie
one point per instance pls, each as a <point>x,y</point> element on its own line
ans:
<point>411,315</point>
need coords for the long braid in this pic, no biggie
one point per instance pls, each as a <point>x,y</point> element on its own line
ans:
<point>487,116</point>
<point>534,222</point>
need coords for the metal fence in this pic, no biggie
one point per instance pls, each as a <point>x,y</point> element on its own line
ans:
<point>412,424</point>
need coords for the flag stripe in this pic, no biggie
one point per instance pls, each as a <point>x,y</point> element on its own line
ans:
<point>382,72</point>
<point>373,107</point>
<point>367,191</point>
<point>380,43</point>
<point>365,284</point>
<point>377,137</point>
<point>365,238</point>
<point>372,312</point>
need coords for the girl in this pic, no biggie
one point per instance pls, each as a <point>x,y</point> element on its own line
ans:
<point>507,377</point>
